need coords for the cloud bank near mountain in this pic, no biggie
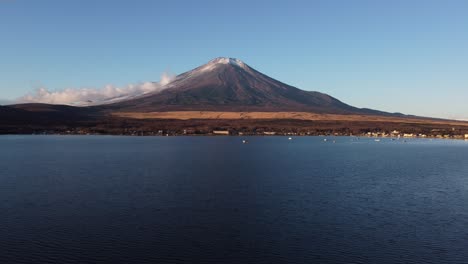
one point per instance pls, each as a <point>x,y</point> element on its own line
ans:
<point>86,96</point>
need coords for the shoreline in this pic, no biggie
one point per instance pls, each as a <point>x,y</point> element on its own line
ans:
<point>245,135</point>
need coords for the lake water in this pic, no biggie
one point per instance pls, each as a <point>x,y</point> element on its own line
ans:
<point>104,199</point>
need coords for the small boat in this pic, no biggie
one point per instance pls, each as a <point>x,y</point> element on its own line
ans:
<point>245,141</point>
<point>290,138</point>
<point>325,140</point>
<point>377,140</point>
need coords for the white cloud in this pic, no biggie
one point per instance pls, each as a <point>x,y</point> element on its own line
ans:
<point>86,96</point>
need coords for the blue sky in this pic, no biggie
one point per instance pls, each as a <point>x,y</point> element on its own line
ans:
<point>398,56</point>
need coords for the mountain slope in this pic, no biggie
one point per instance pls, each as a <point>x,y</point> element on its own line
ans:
<point>226,84</point>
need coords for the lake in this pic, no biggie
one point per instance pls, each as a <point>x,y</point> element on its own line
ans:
<point>109,199</point>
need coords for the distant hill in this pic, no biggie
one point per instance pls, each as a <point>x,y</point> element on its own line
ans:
<point>47,114</point>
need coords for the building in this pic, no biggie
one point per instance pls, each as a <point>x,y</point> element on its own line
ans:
<point>221,132</point>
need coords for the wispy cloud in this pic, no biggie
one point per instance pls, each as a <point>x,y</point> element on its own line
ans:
<point>85,96</point>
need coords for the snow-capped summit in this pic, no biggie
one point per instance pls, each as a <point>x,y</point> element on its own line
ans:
<point>221,61</point>
<point>225,60</point>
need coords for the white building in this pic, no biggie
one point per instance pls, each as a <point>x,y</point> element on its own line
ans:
<point>221,132</point>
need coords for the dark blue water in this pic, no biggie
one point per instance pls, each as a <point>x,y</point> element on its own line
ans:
<point>71,199</point>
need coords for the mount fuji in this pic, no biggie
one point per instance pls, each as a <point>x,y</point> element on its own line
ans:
<point>228,84</point>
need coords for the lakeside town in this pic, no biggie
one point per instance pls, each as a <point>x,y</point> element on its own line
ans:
<point>435,133</point>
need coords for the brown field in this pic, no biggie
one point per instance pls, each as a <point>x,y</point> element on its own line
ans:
<point>82,120</point>
<point>305,116</point>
